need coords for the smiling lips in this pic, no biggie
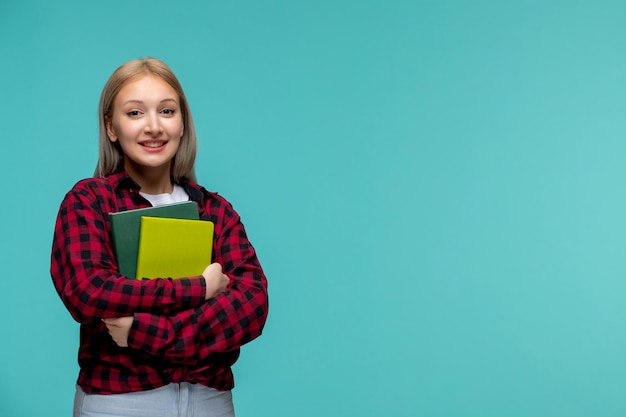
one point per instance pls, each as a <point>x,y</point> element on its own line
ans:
<point>153,144</point>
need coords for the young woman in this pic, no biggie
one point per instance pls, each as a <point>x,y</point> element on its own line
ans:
<point>159,347</point>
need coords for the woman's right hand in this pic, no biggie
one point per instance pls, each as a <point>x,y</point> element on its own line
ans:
<point>216,281</point>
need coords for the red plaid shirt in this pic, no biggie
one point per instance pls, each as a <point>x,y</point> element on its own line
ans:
<point>176,335</point>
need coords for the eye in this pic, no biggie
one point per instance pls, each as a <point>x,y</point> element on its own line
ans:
<point>133,113</point>
<point>168,112</point>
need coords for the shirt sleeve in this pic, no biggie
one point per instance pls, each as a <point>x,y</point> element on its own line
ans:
<point>84,271</point>
<point>223,323</point>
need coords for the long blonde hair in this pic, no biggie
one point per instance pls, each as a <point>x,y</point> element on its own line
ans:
<point>110,155</point>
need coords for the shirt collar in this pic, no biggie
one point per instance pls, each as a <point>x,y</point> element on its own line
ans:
<point>123,180</point>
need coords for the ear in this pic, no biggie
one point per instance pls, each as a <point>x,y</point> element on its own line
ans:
<point>110,131</point>
<point>182,131</point>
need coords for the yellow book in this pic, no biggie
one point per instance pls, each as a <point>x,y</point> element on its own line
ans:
<point>173,248</point>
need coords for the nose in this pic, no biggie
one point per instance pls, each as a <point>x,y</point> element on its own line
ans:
<point>153,125</point>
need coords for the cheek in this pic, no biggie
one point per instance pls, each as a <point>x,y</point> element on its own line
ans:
<point>127,130</point>
<point>120,129</point>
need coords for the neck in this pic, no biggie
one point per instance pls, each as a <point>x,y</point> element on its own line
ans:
<point>153,180</point>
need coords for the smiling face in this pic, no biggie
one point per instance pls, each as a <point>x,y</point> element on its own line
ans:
<point>147,123</point>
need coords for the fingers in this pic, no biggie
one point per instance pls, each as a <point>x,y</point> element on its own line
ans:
<point>215,279</point>
<point>213,268</point>
<point>113,322</point>
<point>118,322</point>
<point>118,328</point>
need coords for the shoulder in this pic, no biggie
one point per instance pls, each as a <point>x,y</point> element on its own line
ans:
<point>101,185</point>
<point>106,194</point>
<point>91,189</point>
<point>88,184</point>
<point>201,194</point>
<point>85,201</point>
<point>210,202</point>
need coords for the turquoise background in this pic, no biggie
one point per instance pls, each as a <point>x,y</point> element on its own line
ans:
<point>434,188</point>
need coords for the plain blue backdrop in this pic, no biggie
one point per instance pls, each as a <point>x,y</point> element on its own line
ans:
<point>434,188</point>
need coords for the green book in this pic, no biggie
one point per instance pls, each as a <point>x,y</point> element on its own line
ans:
<point>173,248</point>
<point>126,226</point>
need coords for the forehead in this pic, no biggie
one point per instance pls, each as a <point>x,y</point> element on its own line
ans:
<point>146,88</point>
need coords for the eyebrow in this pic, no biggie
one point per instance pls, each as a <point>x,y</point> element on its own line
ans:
<point>141,101</point>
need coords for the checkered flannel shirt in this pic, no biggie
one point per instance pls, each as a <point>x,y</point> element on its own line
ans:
<point>176,335</point>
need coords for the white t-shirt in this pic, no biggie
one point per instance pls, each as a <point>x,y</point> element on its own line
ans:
<point>178,195</point>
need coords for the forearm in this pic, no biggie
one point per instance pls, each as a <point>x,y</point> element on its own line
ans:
<point>222,324</point>
<point>85,274</point>
<point>97,294</point>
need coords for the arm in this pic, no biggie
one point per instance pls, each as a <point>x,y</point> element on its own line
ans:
<point>119,327</point>
<point>85,274</point>
<point>225,322</point>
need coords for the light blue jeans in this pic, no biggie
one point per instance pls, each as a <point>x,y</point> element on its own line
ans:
<point>173,400</point>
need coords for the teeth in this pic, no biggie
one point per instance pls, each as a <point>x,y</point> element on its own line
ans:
<point>152,144</point>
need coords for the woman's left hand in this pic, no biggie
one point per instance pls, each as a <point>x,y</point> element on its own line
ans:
<point>119,328</point>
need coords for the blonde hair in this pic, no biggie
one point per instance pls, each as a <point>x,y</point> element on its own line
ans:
<point>110,155</point>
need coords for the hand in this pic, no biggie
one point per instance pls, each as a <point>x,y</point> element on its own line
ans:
<point>216,281</point>
<point>119,328</point>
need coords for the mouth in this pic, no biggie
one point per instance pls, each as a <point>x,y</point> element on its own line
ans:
<point>153,144</point>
